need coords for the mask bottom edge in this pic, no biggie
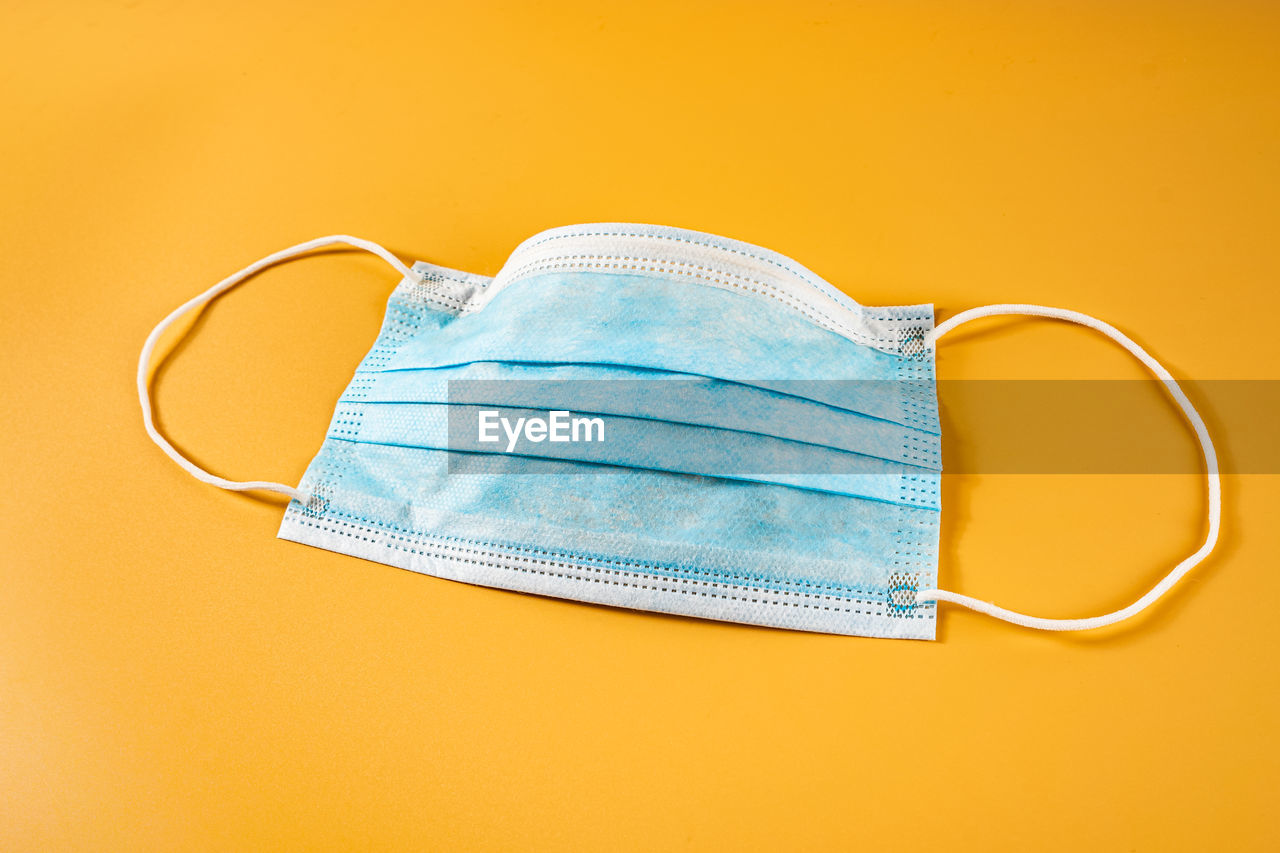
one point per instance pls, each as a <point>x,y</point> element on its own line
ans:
<point>613,587</point>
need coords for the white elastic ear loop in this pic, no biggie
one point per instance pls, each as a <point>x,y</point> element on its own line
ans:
<point>1206,446</point>
<point>144,360</point>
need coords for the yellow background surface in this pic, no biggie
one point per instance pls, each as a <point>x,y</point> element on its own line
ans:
<point>174,677</point>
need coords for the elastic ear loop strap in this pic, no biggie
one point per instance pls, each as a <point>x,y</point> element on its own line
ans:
<point>1193,417</point>
<point>144,360</point>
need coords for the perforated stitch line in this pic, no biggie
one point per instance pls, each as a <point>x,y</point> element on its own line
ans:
<point>691,581</point>
<point>359,387</point>
<point>901,563</point>
<point>670,238</point>
<point>919,450</point>
<point>913,370</point>
<point>421,292</point>
<point>624,565</point>
<point>819,318</point>
<point>895,325</point>
<point>330,525</point>
<point>928,500</point>
<point>347,421</point>
<point>798,273</point>
<point>400,324</point>
<point>451,558</point>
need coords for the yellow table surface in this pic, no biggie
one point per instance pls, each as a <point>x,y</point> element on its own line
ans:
<point>173,677</point>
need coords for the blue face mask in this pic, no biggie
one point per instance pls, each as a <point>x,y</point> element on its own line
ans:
<point>652,418</point>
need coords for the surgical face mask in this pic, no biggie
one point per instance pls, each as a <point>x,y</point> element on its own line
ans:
<point>652,418</point>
